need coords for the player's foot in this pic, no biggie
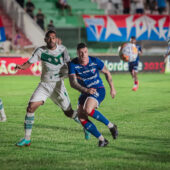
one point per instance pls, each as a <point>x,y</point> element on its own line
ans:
<point>114,131</point>
<point>23,142</point>
<point>136,86</point>
<point>103,143</point>
<point>87,134</point>
<point>3,119</point>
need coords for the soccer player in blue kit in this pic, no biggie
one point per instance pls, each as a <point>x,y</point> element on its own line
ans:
<point>84,77</point>
<point>133,66</point>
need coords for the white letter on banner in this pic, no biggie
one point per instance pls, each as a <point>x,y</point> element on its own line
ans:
<point>162,32</point>
<point>140,29</point>
<point>129,25</point>
<point>111,28</point>
<point>151,26</point>
<point>3,68</point>
<point>10,70</point>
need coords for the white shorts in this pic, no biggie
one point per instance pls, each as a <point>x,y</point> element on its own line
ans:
<point>56,91</point>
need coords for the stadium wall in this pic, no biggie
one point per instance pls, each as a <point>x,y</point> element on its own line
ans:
<point>113,63</point>
<point>146,64</point>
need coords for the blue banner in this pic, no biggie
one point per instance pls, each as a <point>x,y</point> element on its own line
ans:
<point>110,28</point>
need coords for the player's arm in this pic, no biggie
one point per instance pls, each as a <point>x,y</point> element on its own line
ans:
<point>23,66</point>
<point>109,80</point>
<point>167,54</point>
<point>74,84</point>
<point>140,51</point>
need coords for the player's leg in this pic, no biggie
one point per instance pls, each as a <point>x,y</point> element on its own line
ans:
<point>28,123</point>
<point>38,98</point>
<point>90,103</point>
<point>88,125</point>
<point>2,112</point>
<point>61,98</point>
<point>133,69</point>
<point>135,77</point>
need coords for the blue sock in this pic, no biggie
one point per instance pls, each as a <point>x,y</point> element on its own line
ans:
<point>98,116</point>
<point>89,126</point>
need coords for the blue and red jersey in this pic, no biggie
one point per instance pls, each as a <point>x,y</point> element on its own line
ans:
<point>137,58</point>
<point>88,75</point>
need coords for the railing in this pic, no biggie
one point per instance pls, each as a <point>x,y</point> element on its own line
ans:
<point>29,27</point>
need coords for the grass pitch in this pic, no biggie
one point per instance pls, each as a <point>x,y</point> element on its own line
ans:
<point>143,120</point>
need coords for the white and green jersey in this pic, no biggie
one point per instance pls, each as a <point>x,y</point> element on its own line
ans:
<point>53,62</point>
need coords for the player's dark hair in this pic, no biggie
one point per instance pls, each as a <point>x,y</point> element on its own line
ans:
<point>49,32</point>
<point>81,45</point>
<point>133,37</point>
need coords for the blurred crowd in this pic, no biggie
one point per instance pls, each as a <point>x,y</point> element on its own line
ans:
<point>29,7</point>
<point>129,7</point>
<point>140,6</point>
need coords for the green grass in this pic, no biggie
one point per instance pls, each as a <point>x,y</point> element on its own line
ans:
<point>143,119</point>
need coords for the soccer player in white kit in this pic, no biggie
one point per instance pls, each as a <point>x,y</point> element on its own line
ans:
<point>54,60</point>
<point>2,112</point>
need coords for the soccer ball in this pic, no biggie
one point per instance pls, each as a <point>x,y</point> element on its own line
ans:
<point>128,52</point>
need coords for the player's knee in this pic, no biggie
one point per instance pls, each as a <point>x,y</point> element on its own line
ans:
<point>30,108</point>
<point>88,110</point>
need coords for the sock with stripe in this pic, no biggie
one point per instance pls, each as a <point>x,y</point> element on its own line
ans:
<point>89,126</point>
<point>29,120</point>
<point>75,117</point>
<point>98,116</point>
<point>135,82</point>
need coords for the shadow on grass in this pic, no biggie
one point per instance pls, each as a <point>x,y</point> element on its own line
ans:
<point>158,109</point>
<point>145,155</point>
<point>153,139</point>
<point>43,126</point>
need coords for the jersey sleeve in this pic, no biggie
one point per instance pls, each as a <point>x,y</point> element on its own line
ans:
<point>167,51</point>
<point>100,64</point>
<point>66,56</point>
<point>139,49</point>
<point>35,56</point>
<point>71,68</point>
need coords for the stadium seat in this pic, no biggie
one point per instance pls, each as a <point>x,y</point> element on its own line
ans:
<point>8,24</point>
<point>78,8</point>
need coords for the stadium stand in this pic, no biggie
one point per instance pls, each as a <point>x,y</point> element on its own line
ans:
<point>78,8</point>
<point>10,30</point>
<point>71,29</point>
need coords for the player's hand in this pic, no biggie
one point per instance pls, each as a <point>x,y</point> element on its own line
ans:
<point>59,41</point>
<point>18,67</point>
<point>91,91</point>
<point>113,93</point>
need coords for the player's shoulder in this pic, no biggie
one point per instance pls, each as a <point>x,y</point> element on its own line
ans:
<point>138,46</point>
<point>94,59</point>
<point>61,47</point>
<point>74,60</point>
<point>39,49</point>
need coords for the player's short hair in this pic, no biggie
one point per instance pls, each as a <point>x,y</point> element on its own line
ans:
<point>81,45</point>
<point>133,37</point>
<point>49,32</point>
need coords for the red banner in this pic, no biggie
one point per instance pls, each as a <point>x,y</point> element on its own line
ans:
<point>7,65</point>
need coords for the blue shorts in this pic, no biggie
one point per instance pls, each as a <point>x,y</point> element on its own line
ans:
<point>133,66</point>
<point>98,96</point>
